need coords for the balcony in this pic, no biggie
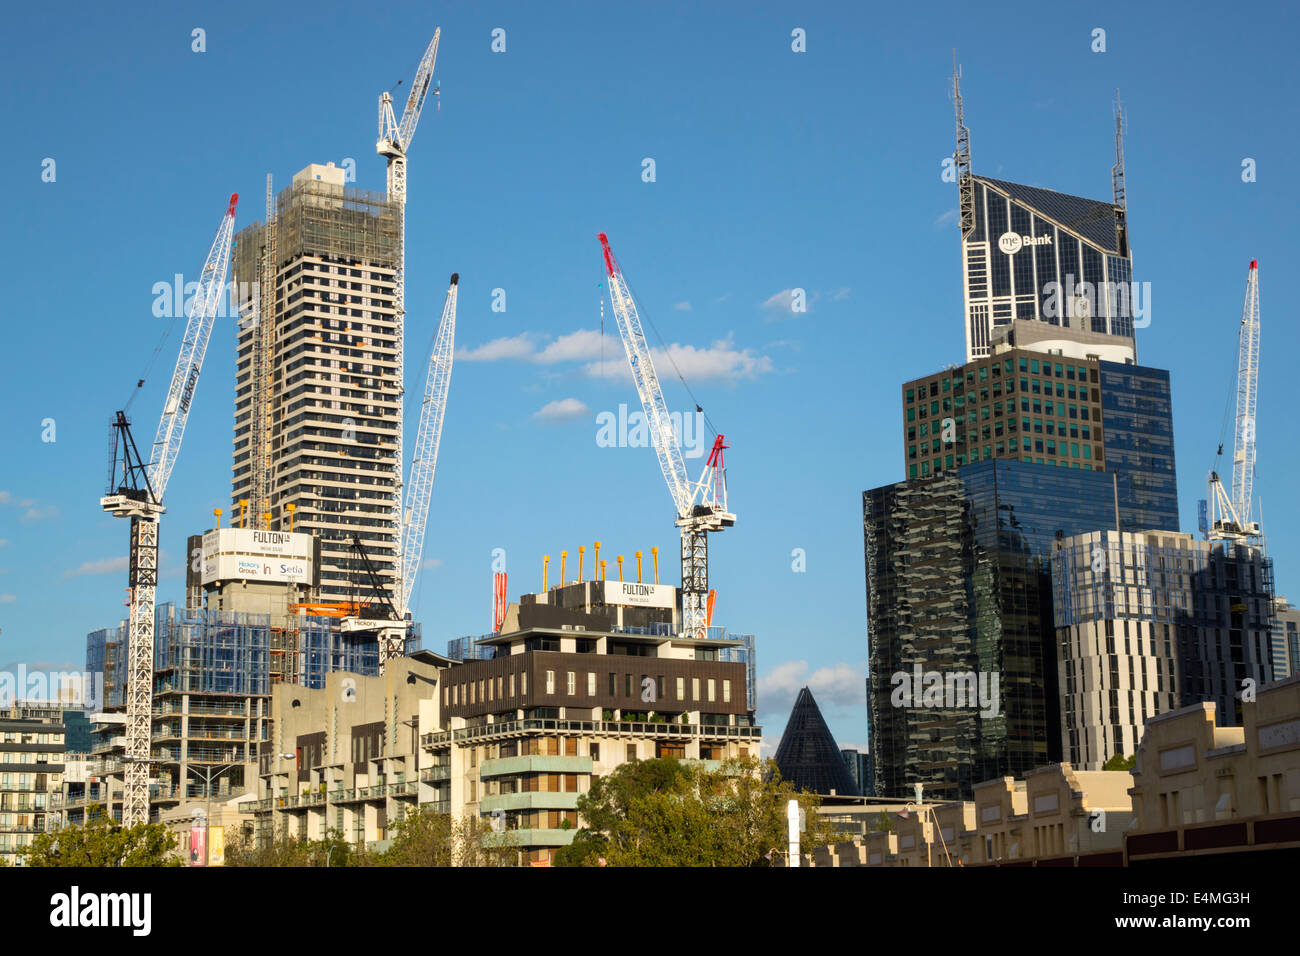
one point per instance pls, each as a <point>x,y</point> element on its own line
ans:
<point>536,763</point>
<point>435,774</point>
<point>529,800</point>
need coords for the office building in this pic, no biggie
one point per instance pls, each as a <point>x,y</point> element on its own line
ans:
<point>318,400</point>
<point>858,763</point>
<point>1285,639</point>
<point>1148,623</point>
<point>1067,407</point>
<point>958,585</point>
<point>1042,256</point>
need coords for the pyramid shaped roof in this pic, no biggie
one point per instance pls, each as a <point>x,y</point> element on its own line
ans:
<point>808,756</point>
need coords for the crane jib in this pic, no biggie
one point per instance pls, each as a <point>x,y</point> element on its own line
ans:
<point>190,384</point>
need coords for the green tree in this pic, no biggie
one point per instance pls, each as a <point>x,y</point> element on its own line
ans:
<point>103,841</point>
<point>426,838</point>
<point>1120,762</point>
<point>284,850</point>
<point>667,813</point>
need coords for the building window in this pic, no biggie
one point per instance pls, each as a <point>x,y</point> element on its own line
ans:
<point>695,688</point>
<point>711,690</point>
<point>572,683</point>
<point>613,690</point>
<point>591,683</point>
<point>681,688</point>
<point>631,751</point>
<point>726,692</point>
<point>550,682</point>
<point>595,751</point>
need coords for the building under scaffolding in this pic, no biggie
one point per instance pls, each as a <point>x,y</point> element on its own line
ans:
<point>318,391</point>
<point>213,675</point>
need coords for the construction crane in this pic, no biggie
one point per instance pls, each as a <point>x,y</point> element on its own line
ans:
<point>393,143</point>
<point>135,491</point>
<point>1232,515</point>
<point>419,493</point>
<point>701,506</point>
<point>424,459</point>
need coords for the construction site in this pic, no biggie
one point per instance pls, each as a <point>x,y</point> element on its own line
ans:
<point>313,575</point>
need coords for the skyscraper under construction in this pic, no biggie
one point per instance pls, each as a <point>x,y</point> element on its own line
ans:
<point>318,387</point>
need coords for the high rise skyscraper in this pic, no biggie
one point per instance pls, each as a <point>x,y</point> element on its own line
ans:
<point>318,388</point>
<point>1040,255</point>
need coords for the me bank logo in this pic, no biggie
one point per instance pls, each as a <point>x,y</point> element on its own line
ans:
<point>1012,242</point>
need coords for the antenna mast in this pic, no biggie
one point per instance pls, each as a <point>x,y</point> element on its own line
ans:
<point>965,184</point>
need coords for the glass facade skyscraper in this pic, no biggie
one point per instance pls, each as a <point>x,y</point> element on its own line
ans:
<point>1138,421</point>
<point>959,582</point>
<point>1045,256</point>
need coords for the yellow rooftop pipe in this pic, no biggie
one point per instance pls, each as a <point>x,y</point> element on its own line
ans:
<point>655,554</point>
<point>620,568</point>
<point>582,554</point>
<point>638,567</point>
<point>546,568</point>
<point>217,512</point>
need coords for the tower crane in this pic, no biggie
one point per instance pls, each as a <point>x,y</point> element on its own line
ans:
<point>702,505</point>
<point>419,487</point>
<point>1232,515</point>
<point>393,143</point>
<point>135,491</point>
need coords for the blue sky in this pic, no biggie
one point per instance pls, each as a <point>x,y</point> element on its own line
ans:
<point>774,170</point>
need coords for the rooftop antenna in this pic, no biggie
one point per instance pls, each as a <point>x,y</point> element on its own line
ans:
<point>1117,180</point>
<point>965,184</point>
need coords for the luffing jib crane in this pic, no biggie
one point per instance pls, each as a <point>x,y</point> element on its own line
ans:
<point>424,458</point>
<point>135,491</point>
<point>701,506</point>
<point>393,144</point>
<point>1232,516</point>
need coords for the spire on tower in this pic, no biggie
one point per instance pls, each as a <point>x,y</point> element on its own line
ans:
<point>1117,180</point>
<point>965,184</point>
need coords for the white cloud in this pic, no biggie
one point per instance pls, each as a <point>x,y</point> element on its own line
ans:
<point>431,564</point>
<point>721,361</point>
<point>682,307</point>
<point>105,566</point>
<point>780,301</point>
<point>840,294</point>
<point>563,410</point>
<point>8,598</point>
<point>33,514</point>
<point>947,217</point>
<point>4,497</point>
<point>515,347</point>
<point>837,689</point>
<point>579,346</point>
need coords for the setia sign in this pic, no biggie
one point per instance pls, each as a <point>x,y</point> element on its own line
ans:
<point>633,594</point>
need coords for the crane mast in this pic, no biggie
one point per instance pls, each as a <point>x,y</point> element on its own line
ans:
<point>394,141</point>
<point>1232,513</point>
<point>701,506</point>
<point>136,491</point>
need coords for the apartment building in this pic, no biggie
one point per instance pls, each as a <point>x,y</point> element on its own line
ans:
<point>32,749</point>
<point>574,685</point>
<point>318,390</point>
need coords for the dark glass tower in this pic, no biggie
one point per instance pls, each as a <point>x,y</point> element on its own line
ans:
<point>959,581</point>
